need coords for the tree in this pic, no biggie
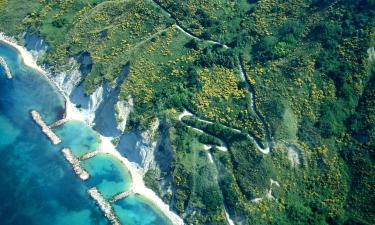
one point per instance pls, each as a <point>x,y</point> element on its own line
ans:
<point>193,44</point>
<point>59,22</point>
<point>331,120</point>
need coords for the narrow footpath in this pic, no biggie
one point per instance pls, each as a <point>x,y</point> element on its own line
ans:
<point>264,150</point>
<point>185,31</point>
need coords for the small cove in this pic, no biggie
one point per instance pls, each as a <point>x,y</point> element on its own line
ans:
<point>37,185</point>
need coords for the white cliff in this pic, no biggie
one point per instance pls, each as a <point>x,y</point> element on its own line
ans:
<point>123,109</point>
<point>146,145</point>
<point>95,100</point>
<point>68,80</point>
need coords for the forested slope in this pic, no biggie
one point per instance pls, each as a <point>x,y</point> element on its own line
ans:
<point>306,63</point>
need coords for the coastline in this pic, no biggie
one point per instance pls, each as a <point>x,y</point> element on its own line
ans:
<point>138,186</point>
<point>106,146</point>
<point>26,57</point>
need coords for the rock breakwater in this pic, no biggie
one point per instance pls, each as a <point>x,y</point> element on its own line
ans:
<point>76,164</point>
<point>104,206</point>
<point>6,68</point>
<point>45,129</point>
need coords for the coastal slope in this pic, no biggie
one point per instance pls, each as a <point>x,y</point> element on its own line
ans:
<point>234,112</point>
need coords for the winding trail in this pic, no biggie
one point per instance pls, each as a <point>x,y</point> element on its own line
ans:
<point>223,147</point>
<point>268,195</point>
<point>138,182</point>
<point>264,150</point>
<point>184,30</point>
<point>269,143</point>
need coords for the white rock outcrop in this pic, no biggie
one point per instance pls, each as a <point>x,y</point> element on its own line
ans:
<point>147,145</point>
<point>123,109</point>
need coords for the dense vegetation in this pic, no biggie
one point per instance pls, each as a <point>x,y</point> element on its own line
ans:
<point>307,61</point>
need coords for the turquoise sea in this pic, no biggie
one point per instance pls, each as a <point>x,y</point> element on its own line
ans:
<point>37,185</point>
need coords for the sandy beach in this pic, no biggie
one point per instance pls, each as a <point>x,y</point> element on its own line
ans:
<point>26,56</point>
<point>106,146</point>
<point>138,186</point>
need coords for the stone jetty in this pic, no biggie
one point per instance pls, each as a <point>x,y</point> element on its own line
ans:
<point>76,164</point>
<point>58,123</point>
<point>45,129</point>
<point>89,155</point>
<point>6,68</point>
<point>62,121</point>
<point>104,206</point>
<point>122,195</point>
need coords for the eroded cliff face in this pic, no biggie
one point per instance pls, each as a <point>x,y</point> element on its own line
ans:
<point>139,148</point>
<point>150,150</point>
<point>161,168</point>
<point>35,44</point>
<point>123,109</point>
<point>68,80</point>
<point>147,145</point>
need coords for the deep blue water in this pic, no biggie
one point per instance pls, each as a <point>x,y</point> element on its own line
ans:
<point>37,185</point>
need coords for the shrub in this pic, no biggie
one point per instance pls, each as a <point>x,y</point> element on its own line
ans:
<point>59,22</point>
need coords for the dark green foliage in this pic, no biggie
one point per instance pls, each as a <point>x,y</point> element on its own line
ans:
<point>152,182</point>
<point>308,60</point>
<point>291,29</point>
<point>193,80</point>
<point>331,120</point>
<point>308,133</point>
<point>209,140</point>
<point>327,33</point>
<point>204,18</point>
<point>275,112</point>
<point>359,155</point>
<point>209,193</point>
<point>192,44</point>
<point>217,56</point>
<point>251,180</point>
<point>212,198</point>
<point>59,22</point>
<point>264,49</point>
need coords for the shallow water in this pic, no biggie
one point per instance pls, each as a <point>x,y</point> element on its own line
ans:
<point>107,175</point>
<point>78,137</point>
<point>131,207</point>
<point>37,185</point>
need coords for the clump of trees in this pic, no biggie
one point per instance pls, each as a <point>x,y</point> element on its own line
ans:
<point>59,22</point>
<point>217,56</point>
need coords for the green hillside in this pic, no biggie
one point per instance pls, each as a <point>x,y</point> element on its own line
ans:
<point>306,63</point>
